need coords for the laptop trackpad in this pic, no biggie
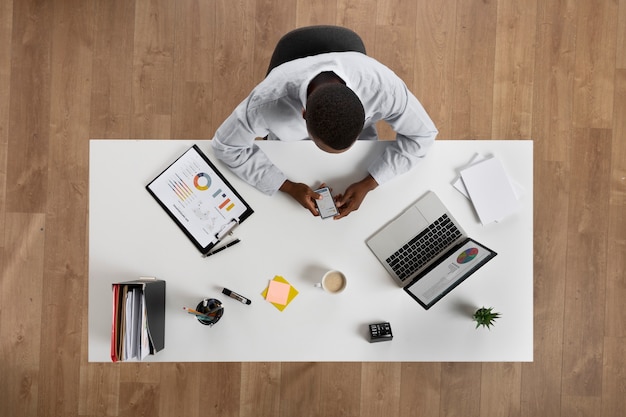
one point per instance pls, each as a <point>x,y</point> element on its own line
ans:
<point>398,232</point>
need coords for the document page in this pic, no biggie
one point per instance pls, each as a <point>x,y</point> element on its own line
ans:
<point>490,190</point>
<point>197,197</point>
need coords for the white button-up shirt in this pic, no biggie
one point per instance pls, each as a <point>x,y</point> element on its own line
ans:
<point>274,109</point>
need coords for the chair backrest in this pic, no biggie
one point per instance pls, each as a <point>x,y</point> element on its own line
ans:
<point>314,40</point>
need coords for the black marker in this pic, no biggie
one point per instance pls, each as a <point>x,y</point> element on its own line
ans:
<point>236,296</point>
<point>221,248</point>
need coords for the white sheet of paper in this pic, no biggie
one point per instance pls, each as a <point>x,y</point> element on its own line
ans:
<point>477,158</point>
<point>490,190</point>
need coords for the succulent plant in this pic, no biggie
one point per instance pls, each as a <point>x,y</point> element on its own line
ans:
<point>485,317</point>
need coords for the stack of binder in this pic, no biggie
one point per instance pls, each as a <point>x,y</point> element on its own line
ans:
<point>138,327</point>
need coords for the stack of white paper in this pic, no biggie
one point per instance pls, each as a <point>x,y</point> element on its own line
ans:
<point>492,192</point>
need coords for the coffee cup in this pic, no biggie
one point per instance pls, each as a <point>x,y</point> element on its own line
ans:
<point>333,282</point>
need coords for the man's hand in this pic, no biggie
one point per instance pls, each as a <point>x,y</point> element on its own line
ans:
<point>353,197</point>
<point>303,194</point>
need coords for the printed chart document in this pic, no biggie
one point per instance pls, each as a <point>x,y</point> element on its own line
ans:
<point>199,199</point>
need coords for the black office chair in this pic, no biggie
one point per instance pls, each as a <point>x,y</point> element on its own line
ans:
<point>314,40</point>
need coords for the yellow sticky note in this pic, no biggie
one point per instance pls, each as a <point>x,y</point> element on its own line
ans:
<point>292,292</point>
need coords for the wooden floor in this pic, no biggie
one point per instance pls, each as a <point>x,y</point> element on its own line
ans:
<point>550,70</point>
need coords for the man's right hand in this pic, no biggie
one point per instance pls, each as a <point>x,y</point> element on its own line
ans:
<point>303,194</point>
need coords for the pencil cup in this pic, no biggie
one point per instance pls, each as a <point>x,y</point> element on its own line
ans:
<point>333,282</point>
<point>212,308</point>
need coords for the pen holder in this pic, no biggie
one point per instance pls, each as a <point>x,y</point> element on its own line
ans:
<point>205,306</point>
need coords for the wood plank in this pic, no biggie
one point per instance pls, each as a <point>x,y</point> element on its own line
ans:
<point>98,389</point>
<point>224,398</point>
<point>153,53</point>
<point>460,389</point>
<point>616,279</point>
<point>192,96</point>
<point>195,390</point>
<point>500,389</point>
<point>111,93</point>
<point>300,389</point>
<point>514,66</point>
<point>380,389</point>
<point>21,261</point>
<point>132,373</point>
<point>360,16</point>
<point>541,379</point>
<point>551,129</point>
<point>434,63</point>
<point>181,386</point>
<point>621,36</point>
<point>586,265</point>
<point>260,389</point>
<point>614,377</point>
<point>580,406</point>
<point>340,389</point>
<point>273,19</point>
<point>29,107</point>
<point>554,78</point>
<point>397,13</point>
<point>420,389</point>
<point>71,61</point>
<point>139,389</point>
<point>595,64</point>
<point>234,56</point>
<point>474,68</point>
<point>139,399</point>
<point>310,13</point>
<point>6,29</point>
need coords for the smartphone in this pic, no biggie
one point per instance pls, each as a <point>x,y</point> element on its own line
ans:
<point>326,206</point>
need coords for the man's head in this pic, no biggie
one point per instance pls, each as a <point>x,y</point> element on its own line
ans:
<point>334,117</point>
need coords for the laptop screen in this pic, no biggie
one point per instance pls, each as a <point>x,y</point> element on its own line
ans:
<point>448,272</point>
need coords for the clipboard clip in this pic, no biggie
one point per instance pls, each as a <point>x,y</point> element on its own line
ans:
<point>226,229</point>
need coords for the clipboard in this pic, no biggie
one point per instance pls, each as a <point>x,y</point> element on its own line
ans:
<point>200,200</point>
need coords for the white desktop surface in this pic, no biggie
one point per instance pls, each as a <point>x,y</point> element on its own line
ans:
<point>130,236</point>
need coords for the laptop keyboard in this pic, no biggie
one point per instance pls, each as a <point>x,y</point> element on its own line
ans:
<point>424,247</point>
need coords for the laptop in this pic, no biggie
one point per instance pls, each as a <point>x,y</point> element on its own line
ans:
<point>426,250</point>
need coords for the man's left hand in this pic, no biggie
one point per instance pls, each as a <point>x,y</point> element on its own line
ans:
<point>353,197</point>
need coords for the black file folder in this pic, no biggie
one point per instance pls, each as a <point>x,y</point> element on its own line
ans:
<point>138,326</point>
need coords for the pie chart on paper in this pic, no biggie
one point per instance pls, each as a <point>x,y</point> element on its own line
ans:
<point>202,181</point>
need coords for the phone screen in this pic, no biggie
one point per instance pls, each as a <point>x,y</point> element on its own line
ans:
<point>326,206</point>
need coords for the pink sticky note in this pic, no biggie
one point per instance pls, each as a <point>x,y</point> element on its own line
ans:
<point>278,292</point>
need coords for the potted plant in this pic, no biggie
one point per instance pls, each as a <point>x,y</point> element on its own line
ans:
<point>485,317</point>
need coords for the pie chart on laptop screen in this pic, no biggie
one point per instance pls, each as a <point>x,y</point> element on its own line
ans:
<point>467,255</point>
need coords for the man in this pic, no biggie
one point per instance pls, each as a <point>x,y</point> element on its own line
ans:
<point>333,99</point>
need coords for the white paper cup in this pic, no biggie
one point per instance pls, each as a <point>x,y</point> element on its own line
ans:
<point>333,282</point>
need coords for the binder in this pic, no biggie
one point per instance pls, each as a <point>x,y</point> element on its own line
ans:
<point>138,323</point>
<point>199,199</point>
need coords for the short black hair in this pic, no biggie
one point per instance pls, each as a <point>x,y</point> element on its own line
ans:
<point>334,115</point>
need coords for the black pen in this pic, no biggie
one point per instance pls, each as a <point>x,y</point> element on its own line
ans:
<point>221,248</point>
<point>236,296</point>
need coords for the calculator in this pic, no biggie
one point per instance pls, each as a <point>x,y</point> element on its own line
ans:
<point>380,332</point>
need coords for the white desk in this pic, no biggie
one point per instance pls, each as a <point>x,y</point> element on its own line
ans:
<point>131,236</point>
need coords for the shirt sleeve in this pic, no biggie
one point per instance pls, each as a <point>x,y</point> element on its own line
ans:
<point>415,133</point>
<point>234,144</point>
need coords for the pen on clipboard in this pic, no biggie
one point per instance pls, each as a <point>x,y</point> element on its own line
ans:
<point>221,248</point>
